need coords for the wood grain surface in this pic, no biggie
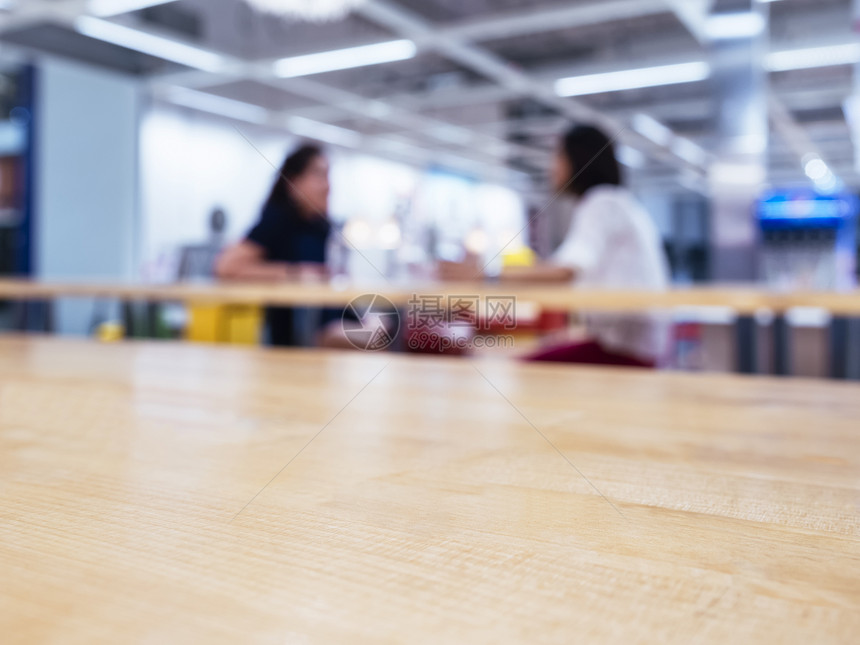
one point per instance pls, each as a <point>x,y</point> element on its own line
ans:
<point>167,493</point>
<point>740,299</point>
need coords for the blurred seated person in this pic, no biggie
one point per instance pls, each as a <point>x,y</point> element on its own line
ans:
<point>197,261</point>
<point>289,242</point>
<point>612,243</point>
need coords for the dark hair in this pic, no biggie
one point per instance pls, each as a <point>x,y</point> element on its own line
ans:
<point>592,157</point>
<point>295,165</point>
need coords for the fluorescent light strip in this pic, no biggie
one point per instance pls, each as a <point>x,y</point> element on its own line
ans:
<point>689,151</point>
<point>387,52</point>
<point>214,104</point>
<point>149,44</point>
<point>652,129</point>
<point>451,133</point>
<point>323,132</point>
<point>813,57</point>
<point>106,8</point>
<point>242,111</point>
<point>630,157</point>
<point>737,174</point>
<point>633,79</point>
<point>629,79</point>
<point>729,26</point>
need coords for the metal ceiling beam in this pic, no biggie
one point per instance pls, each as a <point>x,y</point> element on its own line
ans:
<point>554,18</point>
<point>120,7</point>
<point>509,83</point>
<point>454,137</point>
<point>333,111</point>
<point>401,149</point>
<point>509,24</point>
<point>694,13</point>
<point>492,92</point>
<point>27,12</point>
<point>502,72</point>
<point>452,44</point>
<point>382,112</point>
<point>31,12</point>
<point>790,131</point>
<point>491,149</point>
<point>448,133</point>
<point>486,93</point>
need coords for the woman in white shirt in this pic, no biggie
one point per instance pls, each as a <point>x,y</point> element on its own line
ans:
<point>612,243</point>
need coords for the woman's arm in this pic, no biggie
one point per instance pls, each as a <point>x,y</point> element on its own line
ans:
<point>542,273</point>
<point>245,260</point>
<point>470,270</point>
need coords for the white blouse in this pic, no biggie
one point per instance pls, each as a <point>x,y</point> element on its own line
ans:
<point>613,244</point>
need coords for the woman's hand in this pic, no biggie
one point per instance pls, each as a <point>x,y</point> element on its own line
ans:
<point>246,261</point>
<point>310,272</point>
<point>540,273</point>
<point>469,270</point>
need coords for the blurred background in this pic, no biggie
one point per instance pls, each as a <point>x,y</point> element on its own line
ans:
<point>125,125</point>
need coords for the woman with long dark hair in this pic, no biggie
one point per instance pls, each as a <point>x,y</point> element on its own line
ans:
<point>612,243</point>
<point>289,241</point>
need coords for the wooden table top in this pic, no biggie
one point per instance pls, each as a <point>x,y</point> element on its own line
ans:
<point>741,299</point>
<point>167,493</point>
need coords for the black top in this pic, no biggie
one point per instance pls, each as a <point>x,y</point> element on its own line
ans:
<point>286,236</point>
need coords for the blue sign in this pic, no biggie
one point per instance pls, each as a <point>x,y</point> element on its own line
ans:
<point>801,209</point>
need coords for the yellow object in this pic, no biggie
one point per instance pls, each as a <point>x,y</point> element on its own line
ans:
<point>522,257</point>
<point>232,324</point>
<point>110,332</point>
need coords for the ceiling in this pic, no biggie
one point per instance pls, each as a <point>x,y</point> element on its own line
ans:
<point>479,92</point>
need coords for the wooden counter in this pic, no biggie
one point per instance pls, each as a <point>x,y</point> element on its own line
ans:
<point>742,300</point>
<point>164,493</point>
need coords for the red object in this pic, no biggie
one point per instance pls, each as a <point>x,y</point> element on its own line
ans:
<point>688,331</point>
<point>589,353</point>
<point>552,320</point>
<point>546,321</point>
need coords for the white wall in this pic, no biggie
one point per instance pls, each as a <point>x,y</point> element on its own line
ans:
<point>190,164</point>
<point>86,212</point>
